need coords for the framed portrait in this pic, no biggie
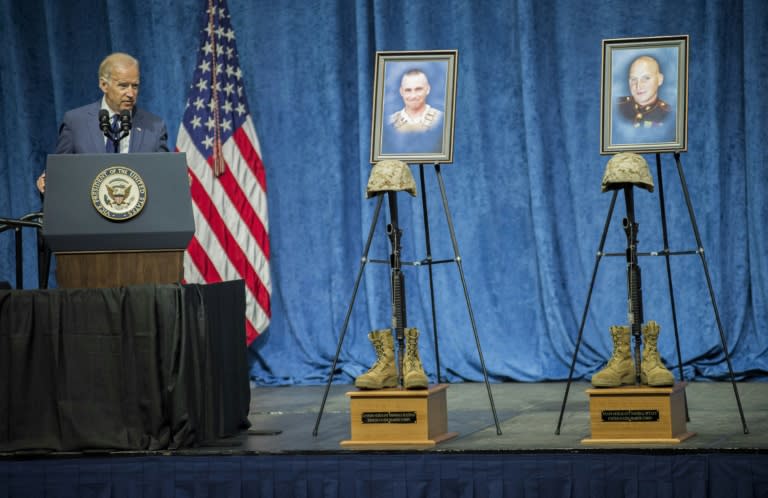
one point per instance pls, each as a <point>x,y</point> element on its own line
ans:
<point>644,95</point>
<point>414,96</point>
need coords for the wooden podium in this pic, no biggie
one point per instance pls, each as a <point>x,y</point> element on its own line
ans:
<point>117,269</point>
<point>398,417</point>
<point>101,247</point>
<point>637,415</point>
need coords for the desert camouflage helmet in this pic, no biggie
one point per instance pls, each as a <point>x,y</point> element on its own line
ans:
<point>390,175</point>
<point>624,168</point>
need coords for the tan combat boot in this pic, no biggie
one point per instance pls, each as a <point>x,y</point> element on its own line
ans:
<point>383,373</point>
<point>413,372</point>
<point>652,369</point>
<point>620,368</point>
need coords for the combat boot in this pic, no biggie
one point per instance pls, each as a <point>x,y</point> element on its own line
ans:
<point>620,369</point>
<point>413,371</point>
<point>652,370</point>
<point>383,373</point>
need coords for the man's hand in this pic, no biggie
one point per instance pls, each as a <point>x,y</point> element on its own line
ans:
<point>41,183</point>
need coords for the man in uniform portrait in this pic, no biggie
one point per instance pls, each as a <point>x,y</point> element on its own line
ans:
<point>417,127</point>
<point>644,107</point>
<point>416,115</point>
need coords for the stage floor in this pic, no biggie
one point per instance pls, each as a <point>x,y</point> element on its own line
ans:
<point>527,413</point>
<point>283,419</point>
<point>278,457</point>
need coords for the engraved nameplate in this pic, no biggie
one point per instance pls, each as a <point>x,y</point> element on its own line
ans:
<point>630,415</point>
<point>389,417</point>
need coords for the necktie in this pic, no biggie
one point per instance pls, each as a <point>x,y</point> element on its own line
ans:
<point>112,144</point>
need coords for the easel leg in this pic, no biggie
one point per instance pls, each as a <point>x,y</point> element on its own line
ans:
<point>598,257</point>
<point>428,260</point>
<point>363,261</point>
<point>665,239</point>
<point>457,257</point>
<point>709,286</point>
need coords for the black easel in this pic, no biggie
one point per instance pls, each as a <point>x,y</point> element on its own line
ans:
<point>666,253</point>
<point>428,262</point>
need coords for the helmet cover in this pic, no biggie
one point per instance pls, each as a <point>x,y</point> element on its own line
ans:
<point>390,175</point>
<point>624,168</point>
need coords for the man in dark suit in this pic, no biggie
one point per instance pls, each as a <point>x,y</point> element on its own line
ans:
<point>80,131</point>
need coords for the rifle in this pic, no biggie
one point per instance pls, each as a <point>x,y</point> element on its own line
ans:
<point>398,284</point>
<point>634,286</point>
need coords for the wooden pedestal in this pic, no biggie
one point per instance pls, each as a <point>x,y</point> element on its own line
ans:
<point>637,414</point>
<point>397,417</point>
<point>118,269</point>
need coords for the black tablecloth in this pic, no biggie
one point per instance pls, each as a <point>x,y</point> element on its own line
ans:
<point>134,368</point>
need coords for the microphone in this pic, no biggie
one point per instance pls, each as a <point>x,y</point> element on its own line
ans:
<point>125,122</point>
<point>104,122</point>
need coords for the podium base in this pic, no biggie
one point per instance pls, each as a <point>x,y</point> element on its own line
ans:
<point>638,415</point>
<point>399,417</point>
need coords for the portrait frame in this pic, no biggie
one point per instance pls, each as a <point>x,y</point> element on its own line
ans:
<point>429,139</point>
<point>628,124</point>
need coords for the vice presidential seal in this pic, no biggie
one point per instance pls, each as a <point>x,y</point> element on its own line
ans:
<point>118,193</point>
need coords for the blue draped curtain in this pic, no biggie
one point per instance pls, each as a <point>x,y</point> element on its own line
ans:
<point>523,191</point>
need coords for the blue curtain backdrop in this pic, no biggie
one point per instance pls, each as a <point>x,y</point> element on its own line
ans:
<point>523,191</point>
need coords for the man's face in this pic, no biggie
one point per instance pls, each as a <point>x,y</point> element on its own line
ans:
<point>645,80</point>
<point>414,89</point>
<point>122,88</point>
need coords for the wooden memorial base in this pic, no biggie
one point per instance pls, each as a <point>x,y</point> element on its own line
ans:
<point>399,417</point>
<point>637,415</point>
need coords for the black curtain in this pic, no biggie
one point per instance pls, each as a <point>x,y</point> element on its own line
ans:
<point>138,368</point>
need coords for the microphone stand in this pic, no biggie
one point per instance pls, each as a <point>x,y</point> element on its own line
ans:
<point>114,136</point>
<point>125,124</point>
<point>104,125</point>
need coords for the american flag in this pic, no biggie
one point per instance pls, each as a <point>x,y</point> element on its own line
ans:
<point>228,184</point>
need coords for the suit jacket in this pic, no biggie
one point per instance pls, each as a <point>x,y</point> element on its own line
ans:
<point>79,132</point>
